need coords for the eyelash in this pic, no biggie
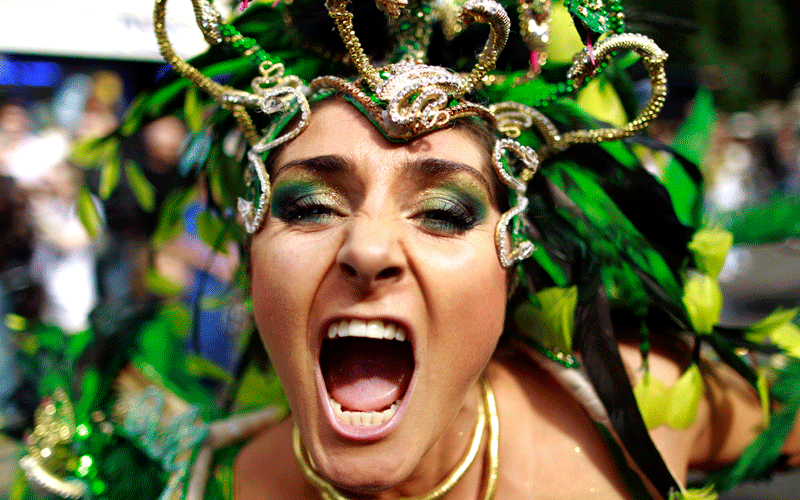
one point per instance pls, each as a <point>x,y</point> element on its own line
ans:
<point>438,214</point>
<point>448,217</point>
<point>306,209</point>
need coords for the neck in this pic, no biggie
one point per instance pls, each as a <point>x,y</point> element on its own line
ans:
<point>439,464</point>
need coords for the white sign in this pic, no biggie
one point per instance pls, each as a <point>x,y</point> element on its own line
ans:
<point>107,29</point>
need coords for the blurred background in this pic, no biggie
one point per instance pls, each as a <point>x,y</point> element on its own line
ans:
<point>68,70</point>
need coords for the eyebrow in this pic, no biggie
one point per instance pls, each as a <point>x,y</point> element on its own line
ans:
<point>321,164</point>
<point>434,168</point>
<point>437,168</point>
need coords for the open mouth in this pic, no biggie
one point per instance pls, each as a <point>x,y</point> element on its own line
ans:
<point>367,366</point>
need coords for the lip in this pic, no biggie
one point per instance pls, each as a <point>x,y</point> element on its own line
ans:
<point>364,433</point>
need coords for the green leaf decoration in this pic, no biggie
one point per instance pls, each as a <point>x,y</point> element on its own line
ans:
<point>179,317</point>
<point>87,213</point>
<point>760,330</point>
<point>109,177</point>
<point>763,395</point>
<point>204,368</point>
<point>787,336</point>
<point>703,300</point>
<point>551,324</point>
<point>710,247</point>
<point>132,121</point>
<point>108,150</point>
<point>211,230</point>
<point>160,285</point>
<point>774,220</point>
<point>705,493</point>
<point>601,100</point>
<point>652,396</point>
<point>684,399</point>
<point>258,389</point>
<point>561,48</point>
<point>193,111</point>
<point>86,152</point>
<point>170,217</point>
<point>141,187</point>
<point>692,140</point>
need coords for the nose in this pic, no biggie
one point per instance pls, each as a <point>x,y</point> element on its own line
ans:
<point>371,254</point>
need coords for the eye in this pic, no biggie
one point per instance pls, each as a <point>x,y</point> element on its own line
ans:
<point>305,210</point>
<point>304,204</point>
<point>447,216</point>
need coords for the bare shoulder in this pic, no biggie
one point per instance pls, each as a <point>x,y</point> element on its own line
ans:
<point>729,414</point>
<point>543,433</point>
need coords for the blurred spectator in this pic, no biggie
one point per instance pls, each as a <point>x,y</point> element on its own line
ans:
<point>64,257</point>
<point>127,253</point>
<point>25,156</point>
<point>19,293</point>
<point>206,276</point>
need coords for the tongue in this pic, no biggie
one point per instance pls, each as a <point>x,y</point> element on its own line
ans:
<point>366,374</point>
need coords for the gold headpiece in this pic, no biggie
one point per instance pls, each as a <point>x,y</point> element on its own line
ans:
<point>407,97</point>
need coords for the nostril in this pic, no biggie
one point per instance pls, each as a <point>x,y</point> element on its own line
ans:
<point>389,272</point>
<point>349,270</point>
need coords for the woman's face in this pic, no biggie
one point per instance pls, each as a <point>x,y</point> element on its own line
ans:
<point>365,238</point>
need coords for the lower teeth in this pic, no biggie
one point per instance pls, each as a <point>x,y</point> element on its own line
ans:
<point>364,417</point>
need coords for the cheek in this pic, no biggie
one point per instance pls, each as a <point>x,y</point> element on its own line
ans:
<point>471,293</point>
<point>283,278</point>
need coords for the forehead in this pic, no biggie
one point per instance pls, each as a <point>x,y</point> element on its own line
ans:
<point>338,128</point>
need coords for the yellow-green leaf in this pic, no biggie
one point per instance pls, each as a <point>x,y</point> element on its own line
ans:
<point>109,177</point>
<point>132,120</point>
<point>787,337</point>
<point>684,398</point>
<point>705,493</point>
<point>258,389</point>
<point>141,187</point>
<point>601,100</point>
<point>192,111</point>
<point>652,397</point>
<point>703,300</point>
<point>87,213</point>
<point>763,395</point>
<point>210,229</point>
<point>160,285</point>
<point>761,329</point>
<point>203,368</point>
<point>561,48</point>
<point>552,323</point>
<point>86,152</point>
<point>710,247</point>
<point>179,317</point>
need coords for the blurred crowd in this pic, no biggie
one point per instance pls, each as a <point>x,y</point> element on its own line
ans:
<point>52,271</point>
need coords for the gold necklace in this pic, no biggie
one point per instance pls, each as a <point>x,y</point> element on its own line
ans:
<point>488,408</point>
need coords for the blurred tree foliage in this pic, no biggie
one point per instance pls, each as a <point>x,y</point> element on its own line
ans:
<point>752,45</point>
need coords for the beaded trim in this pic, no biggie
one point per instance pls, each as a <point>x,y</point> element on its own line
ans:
<point>522,247</point>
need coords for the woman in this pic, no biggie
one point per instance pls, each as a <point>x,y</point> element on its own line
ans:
<point>390,231</point>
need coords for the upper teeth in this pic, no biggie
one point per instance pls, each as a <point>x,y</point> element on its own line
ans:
<point>370,329</point>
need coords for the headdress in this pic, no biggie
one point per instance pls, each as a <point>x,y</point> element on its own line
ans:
<point>606,238</point>
<point>405,97</point>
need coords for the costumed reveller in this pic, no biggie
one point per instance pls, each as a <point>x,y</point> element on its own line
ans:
<point>467,285</point>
